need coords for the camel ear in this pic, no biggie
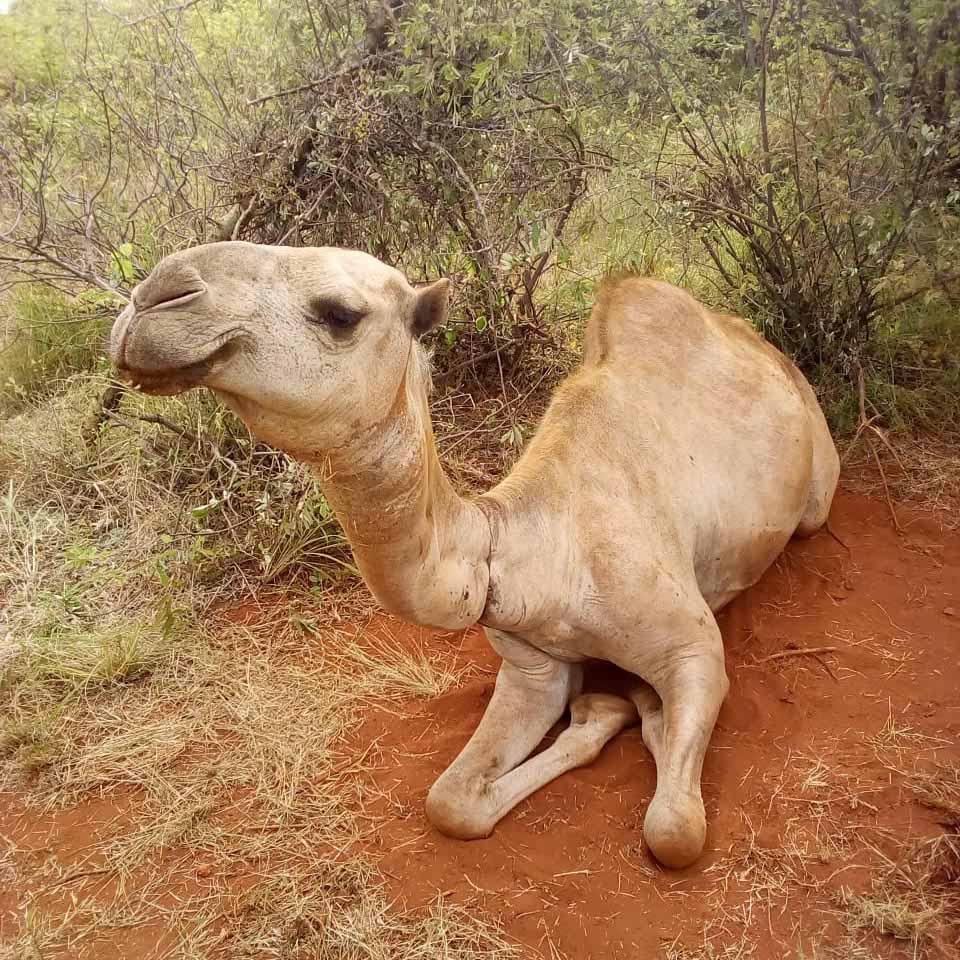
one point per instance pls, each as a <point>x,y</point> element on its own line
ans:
<point>430,307</point>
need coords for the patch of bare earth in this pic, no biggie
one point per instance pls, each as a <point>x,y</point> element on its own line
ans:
<point>832,788</point>
<point>843,715</point>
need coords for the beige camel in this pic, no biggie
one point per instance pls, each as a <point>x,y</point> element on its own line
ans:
<point>669,472</point>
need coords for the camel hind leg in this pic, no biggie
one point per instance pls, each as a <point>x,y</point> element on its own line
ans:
<point>825,472</point>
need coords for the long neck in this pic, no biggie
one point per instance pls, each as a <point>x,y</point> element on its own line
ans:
<point>422,549</point>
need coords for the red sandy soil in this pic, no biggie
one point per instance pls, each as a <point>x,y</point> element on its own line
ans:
<point>809,783</point>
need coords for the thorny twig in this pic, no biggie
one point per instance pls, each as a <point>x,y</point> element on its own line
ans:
<point>867,423</point>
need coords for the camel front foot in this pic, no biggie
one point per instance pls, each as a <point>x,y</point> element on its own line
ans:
<point>675,825</point>
<point>677,715</point>
<point>675,828</point>
<point>468,808</point>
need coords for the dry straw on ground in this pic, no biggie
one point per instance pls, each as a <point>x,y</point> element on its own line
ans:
<point>142,662</point>
<point>218,739</point>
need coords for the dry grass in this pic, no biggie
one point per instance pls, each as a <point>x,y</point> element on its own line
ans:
<point>335,911</point>
<point>387,668</point>
<point>923,471</point>
<point>940,788</point>
<point>331,911</point>
<point>899,736</point>
<point>229,752</point>
<point>885,911</point>
<point>218,743</point>
<point>828,813</point>
<point>239,816</point>
<point>119,652</point>
<point>914,897</point>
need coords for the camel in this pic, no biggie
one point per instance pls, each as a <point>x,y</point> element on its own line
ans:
<point>668,473</point>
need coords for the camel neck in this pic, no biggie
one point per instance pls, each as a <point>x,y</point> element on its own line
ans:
<point>422,549</point>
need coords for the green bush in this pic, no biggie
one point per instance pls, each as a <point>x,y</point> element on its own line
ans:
<point>797,162</point>
<point>812,157</point>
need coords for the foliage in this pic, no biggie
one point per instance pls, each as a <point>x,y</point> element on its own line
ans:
<point>795,161</point>
<point>456,139</point>
<point>142,497</point>
<point>114,121</point>
<point>823,181</point>
<point>53,335</point>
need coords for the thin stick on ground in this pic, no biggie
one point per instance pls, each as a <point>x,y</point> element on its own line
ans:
<point>801,652</point>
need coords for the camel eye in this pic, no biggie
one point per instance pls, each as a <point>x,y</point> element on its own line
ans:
<point>336,316</point>
<point>341,319</point>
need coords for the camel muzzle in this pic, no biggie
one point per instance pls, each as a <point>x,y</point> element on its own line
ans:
<point>156,358</point>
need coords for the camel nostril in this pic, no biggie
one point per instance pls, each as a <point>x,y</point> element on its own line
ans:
<point>168,299</point>
<point>170,284</point>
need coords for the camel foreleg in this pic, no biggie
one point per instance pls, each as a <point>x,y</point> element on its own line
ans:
<point>489,777</point>
<point>678,711</point>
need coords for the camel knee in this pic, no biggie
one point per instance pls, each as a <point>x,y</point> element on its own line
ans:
<point>456,811</point>
<point>675,828</point>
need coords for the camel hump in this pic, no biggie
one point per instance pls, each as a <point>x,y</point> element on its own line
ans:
<point>631,308</point>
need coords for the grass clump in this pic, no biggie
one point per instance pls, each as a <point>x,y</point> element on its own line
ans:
<point>387,668</point>
<point>911,377</point>
<point>55,675</point>
<point>49,336</point>
<point>30,744</point>
<point>115,653</point>
<point>336,911</point>
<point>939,789</point>
<point>916,896</point>
<point>888,912</point>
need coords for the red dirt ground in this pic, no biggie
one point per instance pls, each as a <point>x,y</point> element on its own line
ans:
<point>566,871</point>
<point>809,783</point>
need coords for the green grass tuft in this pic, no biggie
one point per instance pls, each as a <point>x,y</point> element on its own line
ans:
<point>31,743</point>
<point>115,654</point>
<point>49,336</point>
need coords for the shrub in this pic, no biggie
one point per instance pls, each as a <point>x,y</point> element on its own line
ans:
<point>815,160</point>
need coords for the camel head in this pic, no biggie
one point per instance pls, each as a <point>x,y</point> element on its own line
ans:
<point>307,345</point>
